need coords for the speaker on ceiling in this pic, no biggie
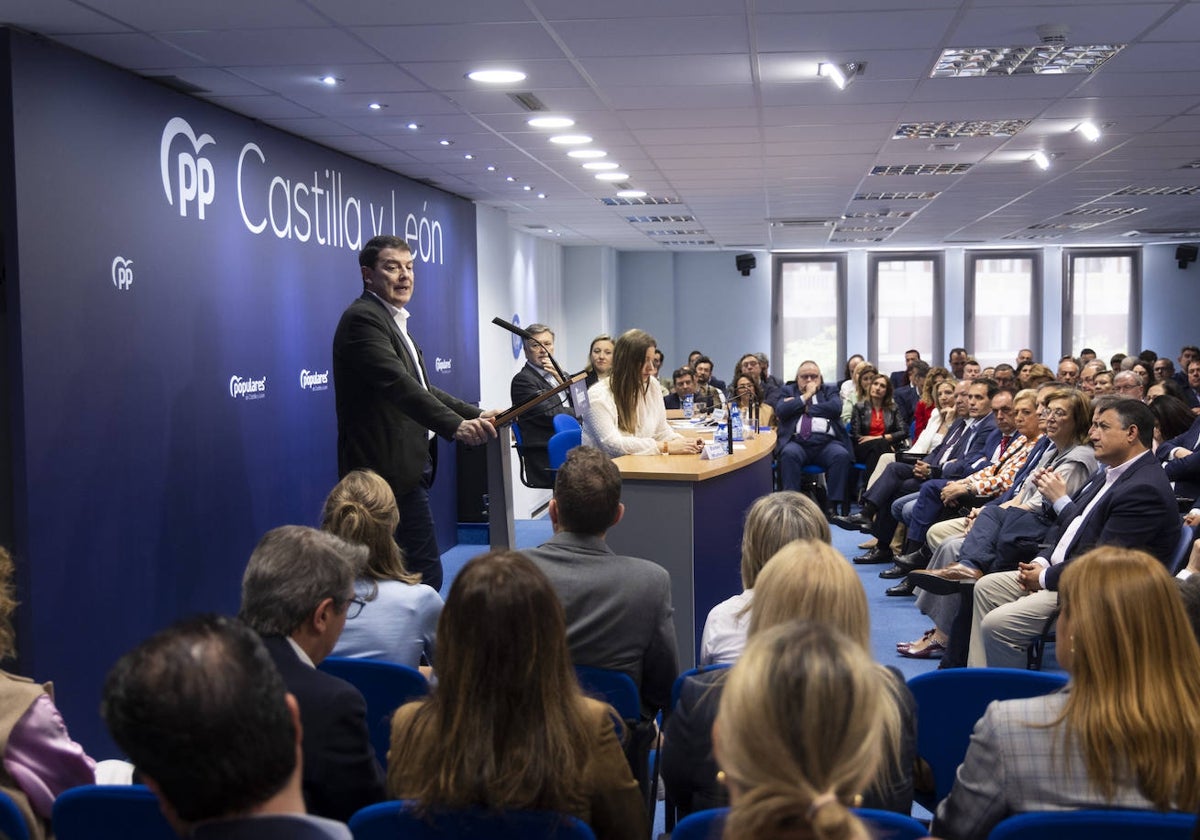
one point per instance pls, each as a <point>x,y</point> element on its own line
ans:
<point>745,262</point>
<point>1185,254</point>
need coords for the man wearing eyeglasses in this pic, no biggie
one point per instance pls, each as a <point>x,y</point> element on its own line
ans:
<point>298,594</point>
<point>388,411</point>
<point>811,432</point>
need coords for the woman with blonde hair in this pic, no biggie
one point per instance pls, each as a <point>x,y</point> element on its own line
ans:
<point>809,580</point>
<point>864,374</point>
<point>600,359</point>
<point>507,727</point>
<point>399,621</point>
<point>772,522</point>
<point>928,402</point>
<point>798,735</point>
<point>626,414</point>
<point>1124,733</point>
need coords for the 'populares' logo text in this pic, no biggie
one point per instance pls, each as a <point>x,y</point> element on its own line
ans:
<point>314,381</point>
<point>194,171</point>
<point>247,389</point>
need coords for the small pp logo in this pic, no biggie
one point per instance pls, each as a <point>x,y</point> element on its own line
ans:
<point>122,273</point>
<point>195,172</point>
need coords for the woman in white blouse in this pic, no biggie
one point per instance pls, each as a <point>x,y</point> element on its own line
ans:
<point>626,415</point>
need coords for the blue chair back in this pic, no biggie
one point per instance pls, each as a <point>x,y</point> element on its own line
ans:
<point>516,433</point>
<point>566,423</point>
<point>561,443</point>
<point>891,825</point>
<point>701,825</point>
<point>1187,536</point>
<point>677,686</point>
<point>1096,825</point>
<point>386,686</point>
<point>12,821</point>
<point>110,812</point>
<point>392,820</point>
<point>950,702</point>
<point>616,687</point>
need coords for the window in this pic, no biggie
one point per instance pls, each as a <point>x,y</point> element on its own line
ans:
<point>1003,311</point>
<point>808,312</point>
<point>1101,295</point>
<point>905,308</point>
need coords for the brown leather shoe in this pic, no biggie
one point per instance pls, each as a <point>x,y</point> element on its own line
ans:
<point>871,543</point>
<point>945,581</point>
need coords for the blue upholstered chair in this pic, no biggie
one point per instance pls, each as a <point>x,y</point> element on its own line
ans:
<point>110,812</point>
<point>394,820</point>
<point>1096,825</point>
<point>386,686</point>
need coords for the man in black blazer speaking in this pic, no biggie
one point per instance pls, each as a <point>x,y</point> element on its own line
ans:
<point>387,409</point>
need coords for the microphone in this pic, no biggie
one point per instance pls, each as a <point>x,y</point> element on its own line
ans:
<point>528,336</point>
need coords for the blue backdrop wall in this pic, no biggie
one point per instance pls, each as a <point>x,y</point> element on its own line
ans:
<point>174,276</point>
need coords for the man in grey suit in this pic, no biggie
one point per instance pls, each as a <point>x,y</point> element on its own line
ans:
<point>618,608</point>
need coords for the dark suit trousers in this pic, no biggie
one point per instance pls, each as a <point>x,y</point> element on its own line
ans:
<point>897,480</point>
<point>824,451</point>
<point>415,533</point>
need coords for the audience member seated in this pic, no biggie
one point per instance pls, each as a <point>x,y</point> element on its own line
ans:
<point>1144,372</point>
<point>772,522</point>
<point>298,593</point>
<point>1130,504</point>
<point>811,432</point>
<point>745,389</point>
<point>810,581</point>
<point>1181,461</point>
<point>1125,731</point>
<point>1165,388</point>
<point>847,387</point>
<point>864,375</point>
<point>907,396</point>
<point>1187,355</point>
<point>899,378</point>
<point>536,377</point>
<point>685,384</point>
<point>1102,384</point>
<point>664,387</point>
<point>600,359</point>
<point>1016,433</point>
<point>1024,356</point>
<point>40,759</point>
<point>875,424</point>
<point>957,360</point>
<point>1006,377</point>
<point>203,713</point>
<point>399,622</point>
<point>618,609</point>
<point>988,540</point>
<point>768,378</point>
<point>1068,371</point>
<point>972,370</point>
<point>1171,418</point>
<point>1087,376</point>
<point>751,365</point>
<point>1126,383</point>
<point>928,401</point>
<point>507,727</point>
<point>625,415</point>
<point>962,452</point>
<point>711,389</point>
<point>1038,375</point>
<point>1192,393</point>
<point>1163,370</point>
<point>803,727</point>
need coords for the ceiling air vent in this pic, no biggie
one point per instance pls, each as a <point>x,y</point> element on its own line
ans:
<point>920,169</point>
<point>800,223</point>
<point>528,101</point>
<point>658,220</point>
<point>1158,191</point>
<point>638,202</point>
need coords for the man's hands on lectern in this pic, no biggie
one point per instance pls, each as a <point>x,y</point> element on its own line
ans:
<point>477,431</point>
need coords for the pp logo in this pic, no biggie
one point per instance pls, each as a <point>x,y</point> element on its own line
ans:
<point>122,273</point>
<point>195,172</point>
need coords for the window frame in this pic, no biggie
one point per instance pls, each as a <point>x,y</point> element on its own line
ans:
<point>938,338</point>
<point>839,259</point>
<point>1036,287</point>
<point>1134,325</point>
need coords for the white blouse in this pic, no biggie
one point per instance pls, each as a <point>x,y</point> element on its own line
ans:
<point>929,437</point>
<point>600,422</point>
<point>724,636</point>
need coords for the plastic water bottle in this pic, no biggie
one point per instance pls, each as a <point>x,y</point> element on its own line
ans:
<point>735,421</point>
<point>689,406</point>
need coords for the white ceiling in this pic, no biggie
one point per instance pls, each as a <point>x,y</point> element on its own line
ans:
<point>713,103</point>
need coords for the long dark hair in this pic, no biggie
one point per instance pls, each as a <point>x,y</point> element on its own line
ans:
<point>628,387</point>
<point>506,726</point>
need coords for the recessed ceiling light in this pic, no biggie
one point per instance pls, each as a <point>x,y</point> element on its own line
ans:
<point>631,194</point>
<point>582,154</point>
<point>413,126</point>
<point>330,80</point>
<point>601,164</point>
<point>612,176</point>
<point>570,139</point>
<point>445,142</point>
<point>527,188</point>
<point>509,178</point>
<point>491,169</point>
<point>541,195</point>
<point>469,156</point>
<point>1040,160</point>
<point>1089,130</point>
<point>375,106</point>
<point>496,77</point>
<point>551,122</point>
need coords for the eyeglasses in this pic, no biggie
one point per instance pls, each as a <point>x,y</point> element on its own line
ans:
<point>1056,413</point>
<point>354,608</point>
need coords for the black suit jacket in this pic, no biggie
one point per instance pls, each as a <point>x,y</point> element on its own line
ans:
<point>1185,471</point>
<point>341,773</point>
<point>1138,511</point>
<point>382,410</point>
<point>537,424</point>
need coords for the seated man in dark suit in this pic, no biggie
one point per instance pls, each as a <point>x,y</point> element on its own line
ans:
<point>906,396</point>
<point>536,376</point>
<point>685,383</point>
<point>705,384</point>
<point>900,378</point>
<point>1131,505</point>
<point>1191,394</point>
<point>618,608</point>
<point>297,593</point>
<point>205,717</point>
<point>811,432</point>
<point>1181,462</point>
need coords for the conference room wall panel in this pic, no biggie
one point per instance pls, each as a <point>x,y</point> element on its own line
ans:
<point>174,275</point>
